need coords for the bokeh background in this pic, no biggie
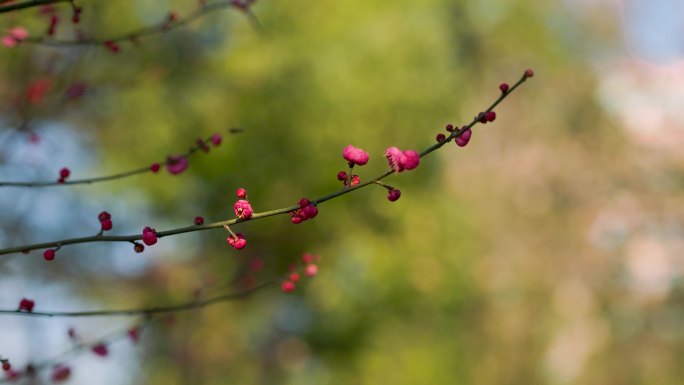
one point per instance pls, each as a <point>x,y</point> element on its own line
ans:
<point>548,251</point>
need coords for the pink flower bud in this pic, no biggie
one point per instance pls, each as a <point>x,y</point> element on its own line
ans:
<point>176,164</point>
<point>355,155</point>
<point>149,236</point>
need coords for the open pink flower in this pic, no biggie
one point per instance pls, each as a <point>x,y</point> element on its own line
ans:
<point>402,160</point>
<point>355,155</point>
<point>176,164</point>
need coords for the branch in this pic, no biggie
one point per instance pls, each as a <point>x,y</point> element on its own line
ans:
<point>29,4</point>
<point>143,311</point>
<point>171,22</point>
<point>202,144</point>
<point>285,210</point>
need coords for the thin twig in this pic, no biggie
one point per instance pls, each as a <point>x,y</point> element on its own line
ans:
<point>147,311</point>
<point>205,144</point>
<point>163,26</point>
<point>29,4</point>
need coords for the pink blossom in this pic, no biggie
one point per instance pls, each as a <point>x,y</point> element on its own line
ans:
<point>355,155</point>
<point>19,33</point>
<point>402,160</point>
<point>216,139</point>
<point>238,241</point>
<point>15,35</point>
<point>9,41</point>
<point>176,164</point>
<point>394,157</point>
<point>411,159</point>
<point>243,209</point>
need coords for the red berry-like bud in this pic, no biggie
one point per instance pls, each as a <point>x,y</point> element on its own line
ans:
<point>106,225</point>
<point>64,173</point>
<point>490,116</point>
<point>354,180</point>
<point>138,247</point>
<point>342,176</point>
<point>100,349</point>
<point>311,270</point>
<point>450,127</point>
<point>296,220</point>
<point>112,46</point>
<point>440,137</point>
<point>104,216</point>
<point>199,221</point>
<point>149,236</point>
<point>288,287</point>
<point>60,373</point>
<point>26,305</point>
<point>309,212</point>
<point>49,254</point>
<point>6,366</point>
<point>216,139</point>
<point>529,73</point>
<point>155,167</point>
<point>304,202</point>
<point>393,195</point>
<point>503,87</point>
<point>134,334</point>
<point>294,277</point>
<point>307,258</point>
<point>241,193</point>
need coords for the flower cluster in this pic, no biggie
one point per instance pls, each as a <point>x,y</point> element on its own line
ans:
<point>346,179</point>
<point>309,269</point>
<point>307,210</point>
<point>105,221</point>
<point>15,36</point>
<point>242,208</point>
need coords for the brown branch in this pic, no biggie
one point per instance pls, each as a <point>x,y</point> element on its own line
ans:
<point>163,26</point>
<point>29,4</point>
<point>147,311</point>
<point>285,210</point>
<point>203,145</point>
